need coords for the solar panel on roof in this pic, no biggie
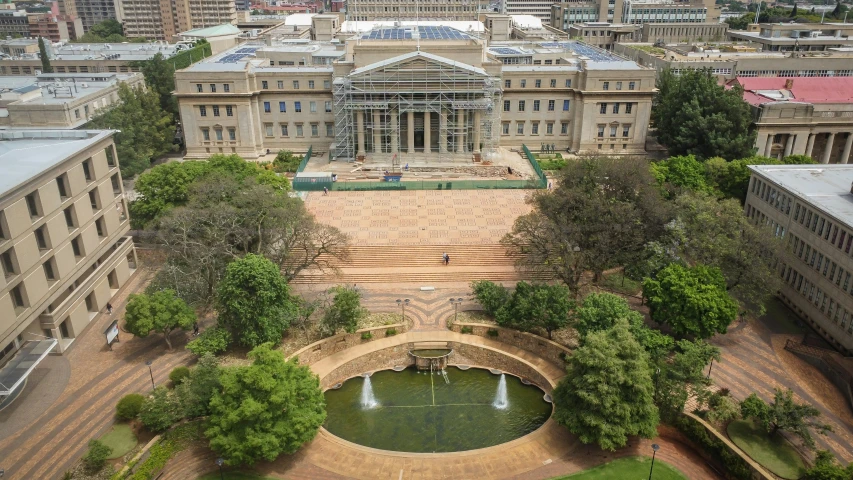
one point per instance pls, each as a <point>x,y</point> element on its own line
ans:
<point>247,50</point>
<point>587,51</point>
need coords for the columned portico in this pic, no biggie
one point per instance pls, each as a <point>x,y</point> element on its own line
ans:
<point>810,145</point>
<point>827,150</point>
<point>427,132</point>
<point>359,114</point>
<point>845,155</point>
<point>789,145</point>
<point>768,145</point>
<point>460,131</point>
<point>411,133</point>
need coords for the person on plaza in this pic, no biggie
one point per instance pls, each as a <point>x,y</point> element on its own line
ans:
<point>109,308</point>
<point>445,258</point>
<point>325,190</point>
<point>195,329</point>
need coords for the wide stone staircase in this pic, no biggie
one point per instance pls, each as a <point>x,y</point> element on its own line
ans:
<point>422,264</point>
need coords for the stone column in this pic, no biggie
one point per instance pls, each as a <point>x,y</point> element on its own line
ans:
<point>845,155</point>
<point>395,133</point>
<point>359,116</point>
<point>828,149</point>
<point>442,132</point>
<point>768,146</point>
<point>789,145</point>
<point>799,144</point>
<point>810,145</point>
<point>377,139</point>
<point>427,133</point>
<point>460,132</point>
<point>411,133</point>
<point>477,131</point>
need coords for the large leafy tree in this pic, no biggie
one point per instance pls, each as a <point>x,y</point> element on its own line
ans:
<point>537,306</point>
<point>491,295</point>
<point>683,375</point>
<point>784,414</point>
<point>160,312</point>
<point>694,115</point>
<point>680,173</point>
<point>732,178</point>
<point>692,300</point>
<point>198,388</point>
<point>146,130</point>
<point>254,301</point>
<point>265,409</point>
<point>160,77</point>
<point>607,393</point>
<point>826,467</point>
<point>600,215</point>
<point>344,312</point>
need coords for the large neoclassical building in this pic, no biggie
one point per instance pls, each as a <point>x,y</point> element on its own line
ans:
<point>375,90</point>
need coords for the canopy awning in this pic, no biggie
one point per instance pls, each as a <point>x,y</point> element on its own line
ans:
<point>13,374</point>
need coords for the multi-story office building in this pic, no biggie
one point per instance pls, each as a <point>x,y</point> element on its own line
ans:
<point>59,100</point>
<point>14,23</point>
<point>63,218</point>
<point>164,20</point>
<point>540,9</point>
<point>564,14</point>
<point>799,37</point>
<point>410,90</point>
<point>802,116</point>
<point>809,206</point>
<point>22,56</point>
<point>55,27</point>
<point>403,10</point>
<point>90,11</point>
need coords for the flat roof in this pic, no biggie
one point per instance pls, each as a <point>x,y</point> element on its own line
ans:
<point>827,187</point>
<point>352,26</point>
<point>27,153</point>
<point>61,88</point>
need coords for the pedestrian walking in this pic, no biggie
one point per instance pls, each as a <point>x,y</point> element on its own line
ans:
<point>444,258</point>
<point>325,190</point>
<point>195,329</point>
<point>109,308</point>
<point>550,185</point>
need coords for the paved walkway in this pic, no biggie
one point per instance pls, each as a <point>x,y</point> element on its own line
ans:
<point>54,438</point>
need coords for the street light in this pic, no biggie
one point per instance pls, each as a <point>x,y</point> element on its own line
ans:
<point>402,303</point>
<point>219,462</point>
<point>655,447</point>
<point>455,302</point>
<point>149,362</point>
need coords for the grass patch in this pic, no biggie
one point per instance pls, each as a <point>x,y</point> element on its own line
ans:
<point>622,284</point>
<point>120,439</point>
<point>234,476</point>
<point>773,453</point>
<point>628,468</point>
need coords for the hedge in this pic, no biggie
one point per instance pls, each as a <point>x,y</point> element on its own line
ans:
<point>719,451</point>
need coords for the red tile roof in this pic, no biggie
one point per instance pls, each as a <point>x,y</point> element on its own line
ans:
<point>801,89</point>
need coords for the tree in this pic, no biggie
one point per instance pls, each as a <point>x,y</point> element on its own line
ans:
<point>106,28</point>
<point>692,300</point>
<point>601,214</point>
<point>826,467</point>
<point>265,409</point>
<point>345,311</point>
<point>537,306</point>
<point>607,393</point>
<point>732,178</point>
<point>683,375</point>
<point>45,59</point>
<point>784,414</point>
<point>198,388</point>
<point>146,131</point>
<point>160,410</point>
<point>741,23</point>
<point>654,257</point>
<point>160,312</point>
<point>212,341</point>
<point>794,11</point>
<point>694,115</point>
<point>160,77</point>
<point>254,301</point>
<point>723,409</point>
<point>163,188</point>
<point>680,173</point>
<point>490,295</point>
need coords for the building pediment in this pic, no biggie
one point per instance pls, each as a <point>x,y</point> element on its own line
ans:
<point>419,61</point>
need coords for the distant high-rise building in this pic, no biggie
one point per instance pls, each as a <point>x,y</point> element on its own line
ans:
<point>90,12</point>
<point>405,10</point>
<point>164,19</point>
<point>568,13</point>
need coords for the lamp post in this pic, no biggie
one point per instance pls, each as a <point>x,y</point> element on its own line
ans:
<point>655,448</point>
<point>149,362</point>
<point>219,462</point>
<point>455,302</point>
<point>402,303</point>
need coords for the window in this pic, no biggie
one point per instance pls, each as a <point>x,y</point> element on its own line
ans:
<point>564,128</point>
<point>232,134</point>
<point>265,85</point>
<point>519,128</point>
<point>613,130</point>
<point>205,134</point>
<point>506,105</point>
<point>312,107</point>
<point>282,107</point>
<point>568,83</point>
<point>213,87</point>
<point>615,108</point>
<point>94,201</point>
<point>49,270</point>
<point>538,83</point>
<point>296,84</point>
<point>327,106</point>
<point>600,131</point>
<point>268,129</point>
<point>267,108</point>
<point>218,132</point>
<point>551,104</point>
<point>535,128</point>
<point>553,83</point>
<point>111,159</point>
<point>632,85</point>
<point>280,84</point>
<point>523,83</point>
<point>226,87</point>
<point>549,128</point>
<point>297,106</point>
<point>283,129</point>
<point>299,130</point>
<point>33,204</point>
<point>628,107</point>
<point>311,84</point>
<point>505,128</point>
<point>229,110</point>
<point>602,108</point>
<point>521,105</point>
<point>327,84</point>
<point>605,86</point>
<point>8,262</point>
<point>17,295</point>
<point>618,85</point>
<point>216,110</point>
<point>41,238</point>
<point>62,186</point>
<point>70,218</point>
<point>566,105</point>
<point>202,110</point>
<point>626,130</point>
<point>315,130</point>
<point>100,227</point>
<point>76,247</point>
<point>507,83</point>
<point>535,105</point>
<point>116,184</point>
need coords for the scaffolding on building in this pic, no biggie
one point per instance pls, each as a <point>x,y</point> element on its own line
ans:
<point>391,102</point>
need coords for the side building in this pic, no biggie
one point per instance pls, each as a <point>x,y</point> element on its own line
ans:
<point>564,14</point>
<point>810,207</point>
<point>63,220</point>
<point>22,58</point>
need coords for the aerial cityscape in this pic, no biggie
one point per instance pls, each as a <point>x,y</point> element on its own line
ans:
<point>426,239</point>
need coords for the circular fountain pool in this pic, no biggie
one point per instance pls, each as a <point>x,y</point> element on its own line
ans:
<point>411,411</point>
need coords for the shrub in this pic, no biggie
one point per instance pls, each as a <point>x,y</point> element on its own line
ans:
<point>366,335</point>
<point>492,332</point>
<point>178,374</point>
<point>730,461</point>
<point>129,406</point>
<point>160,410</point>
<point>286,161</point>
<point>213,340</point>
<point>390,332</point>
<point>555,164</point>
<point>490,295</point>
<point>96,457</point>
<point>467,330</point>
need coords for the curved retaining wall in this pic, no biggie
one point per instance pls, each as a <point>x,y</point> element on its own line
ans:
<point>551,351</point>
<point>331,345</point>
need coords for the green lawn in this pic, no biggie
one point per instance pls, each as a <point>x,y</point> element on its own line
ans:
<point>120,438</point>
<point>628,468</point>
<point>615,282</point>
<point>234,476</point>
<point>773,453</point>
